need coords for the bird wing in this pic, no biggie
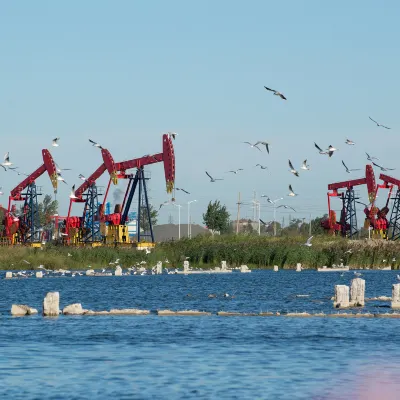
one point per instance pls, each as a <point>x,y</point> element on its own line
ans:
<point>7,156</point>
<point>257,147</point>
<point>209,175</point>
<point>282,97</point>
<point>390,169</point>
<point>376,165</point>
<point>330,153</point>
<point>271,90</point>
<point>373,120</point>
<point>309,239</point>
<point>280,206</point>
<point>55,140</point>
<point>345,165</point>
<point>92,141</point>
<point>183,190</point>
<point>292,209</point>
<point>305,163</point>
<point>355,169</point>
<point>319,148</point>
<point>386,127</point>
<point>248,143</point>
<point>290,188</point>
<point>262,222</point>
<point>290,165</point>
<point>5,169</point>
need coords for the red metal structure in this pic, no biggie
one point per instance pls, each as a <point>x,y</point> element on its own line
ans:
<point>28,226</point>
<point>89,224</point>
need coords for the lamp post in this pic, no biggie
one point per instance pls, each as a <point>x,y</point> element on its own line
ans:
<point>179,219</point>
<point>189,219</point>
<point>274,203</point>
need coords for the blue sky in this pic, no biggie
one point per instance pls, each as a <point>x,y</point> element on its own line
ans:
<point>124,72</point>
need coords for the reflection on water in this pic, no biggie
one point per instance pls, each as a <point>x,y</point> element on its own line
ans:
<point>155,357</point>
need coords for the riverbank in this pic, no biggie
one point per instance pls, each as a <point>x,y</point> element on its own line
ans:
<point>208,252</point>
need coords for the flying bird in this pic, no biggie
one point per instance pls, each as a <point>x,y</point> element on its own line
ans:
<point>276,93</point>
<point>55,142</point>
<point>60,178</point>
<point>308,243</point>
<point>350,142</point>
<point>266,144</point>
<point>80,176</point>
<point>349,170</point>
<point>383,168</point>
<point>159,208</point>
<point>378,124</point>
<point>291,193</point>
<point>320,150</point>
<point>286,207</point>
<point>261,166</point>
<point>370,158</point>
<point>183,190</point>
<point>253,145</point>
<point>212,180</point>
<point>331,150</point>
<point>95,144</point>
<point>6,162</point>
<point>236,171</point>
<point>268,199</point>
<point>173,134</point>
<point>72,195</point>
<point>292,170</point>
<point>305,166</point>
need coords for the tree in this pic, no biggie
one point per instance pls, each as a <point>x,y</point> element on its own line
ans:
<point>47,208</point>
<point>144,221</point>
<point>216,217</point>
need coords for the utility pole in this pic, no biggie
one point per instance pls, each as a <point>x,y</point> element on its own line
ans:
<point>309,231</point>
<point>238,215</point>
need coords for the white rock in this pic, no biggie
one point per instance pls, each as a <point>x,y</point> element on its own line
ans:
<point>89,272</point>
<point>276,268</point>
<point>341,296</point>
<point>223,266</point>
<point>21,309</point>
<point>118,271</point>
<point>357,292</point>
<point>298,267</point>
<point>159,267</point>
<point>51,304</point>
<point>186,265</point>
<point>9,275</point>
<point>39,274</point>
<point>74,309</point>
<point>396,296</point>
<point>244,268</point>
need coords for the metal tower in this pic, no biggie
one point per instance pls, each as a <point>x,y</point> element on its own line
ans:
<point>31,220</point>
<point>91,220</point>
<point>348,220</point>
<point>394,223</point>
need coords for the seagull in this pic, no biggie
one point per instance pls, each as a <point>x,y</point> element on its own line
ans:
<point>6,162</point>
<point>349,170</point>
<point>320,150</point>
<point>253,145</point>
<point>268,199</point>
<point>276,93</point>
<point>60,178</point>
<point>261,166</point>
<point>286,207</point>
<point>331,150</point>
<point>305,166</point>
<point>62,169</point>
<point>378,124</point>
<point>369,158</point>
<point>72,195</point>
<point>308,243</point>
<point>383,168</point>
<point>291,193</point>
<point>95,144</point>
<point>173,135</point>
<point>350,142</point>
<point>236,171</point>
<point>183,190</point>
<point>162,205</point>
<point>55,142</point>
<point>266,144</point>
<point>214,179</point>
<point>292,170</point>
<point>348,251</point>
<point>1,192</point>
<point>81,177</point>
<point>148,251</point>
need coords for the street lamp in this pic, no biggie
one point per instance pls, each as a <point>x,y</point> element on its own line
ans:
<point>189,219</point>
<point>179,219</point>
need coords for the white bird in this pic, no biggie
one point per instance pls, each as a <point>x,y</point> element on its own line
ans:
<point>148,251</point>
<point>72,194</point>
<point>173,135</point>
<point>213,179</point>
<point>6,162</point>
<point>266,144</point>
<point>276,93</point>
<point>60,178</point>
<point>253,145</point>
<point>350,142</point>
<point>370,158</point>
<point>261,166</point>
<point>292,170</point>
<point>117,261</point>
<point>95,144</point>
<point>308,243</point>
<point>383,168</point>
<point>69,255</point>
<point>349,170</point>
<point>286,207</point>
<point>268,199</point>
<point>305,166</point>
<point>235,171</point>
<point>55,142</point>
<point>320,150</point>
<point>378,124</point>
<point>331,150</point>
<point>81,177</point>
<point>291,193</point>
<point>348,251</point>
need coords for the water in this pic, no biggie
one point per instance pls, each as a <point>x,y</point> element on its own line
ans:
<point>152,357</point>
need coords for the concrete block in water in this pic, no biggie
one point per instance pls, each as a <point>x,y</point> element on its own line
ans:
<point>298,267</point>
<point>21,310</point>
<point>74,309</point>
<point>159,267</point>
<point>223,266</point>
<point>244,268</point>
<point>89,272</point>
<point>357,292</point>
<point>118,271</point>
<point>39,274</point>
<point>9,275</point>
<point>396,296</point>
<point>186,266</point>
<point>341,296</point>
<point>276,268</point>
<point>51,304</point>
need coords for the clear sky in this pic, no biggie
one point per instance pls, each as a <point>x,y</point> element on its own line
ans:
<point>123,72</point>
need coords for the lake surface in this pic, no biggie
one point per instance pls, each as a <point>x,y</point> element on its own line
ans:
<point>209,357</point>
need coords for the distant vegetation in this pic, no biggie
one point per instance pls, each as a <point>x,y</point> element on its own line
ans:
<point>208,251</point>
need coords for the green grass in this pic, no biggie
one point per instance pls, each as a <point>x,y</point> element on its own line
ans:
<point>208,251</point>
